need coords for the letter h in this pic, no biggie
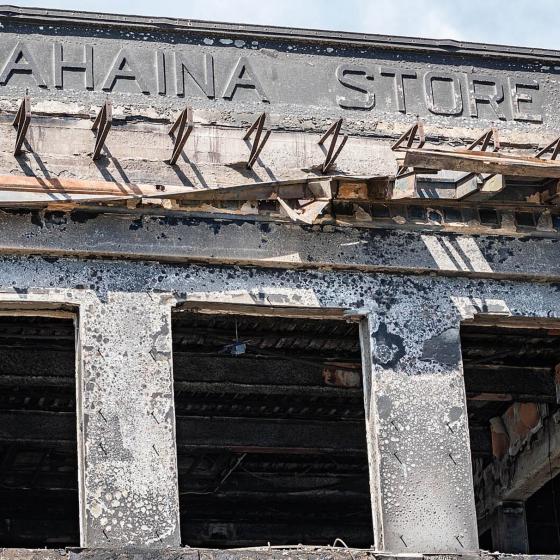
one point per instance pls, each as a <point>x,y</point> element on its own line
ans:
<point>60,65</point>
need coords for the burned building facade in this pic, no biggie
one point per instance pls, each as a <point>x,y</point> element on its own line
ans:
<point>268,292</point>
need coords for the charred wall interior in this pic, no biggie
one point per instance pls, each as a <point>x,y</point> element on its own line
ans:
<point>270,431</point>
<point>511,383</point>
<point>38,444</point>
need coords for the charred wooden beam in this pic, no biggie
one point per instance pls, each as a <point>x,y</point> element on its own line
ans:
<point>52,364</point>
<point>25,426</point>
<point>38,363</point>
<point>261,435</point>
<point>266,435</point>
<point>245,533</point>
<point>507,383</point>
<point>301,336</point>
<point>252,389</point>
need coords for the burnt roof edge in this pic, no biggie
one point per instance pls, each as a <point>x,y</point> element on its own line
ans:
<point>442,46</point>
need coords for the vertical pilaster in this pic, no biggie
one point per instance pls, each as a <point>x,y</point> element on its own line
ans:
<point>418,437</point>
<point>126,423</point>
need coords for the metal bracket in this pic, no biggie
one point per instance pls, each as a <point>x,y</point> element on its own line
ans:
<point>410,135</point>
<point>484,141</point>
<point>554,146</point>
<point>258,144</point>
<point>490,135</point>
<point>101,126</point>
<point>21,122</point>
<point>184,126</point>
<point>332,154</point>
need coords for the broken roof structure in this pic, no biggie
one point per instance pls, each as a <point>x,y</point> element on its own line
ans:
<point>280,293</point>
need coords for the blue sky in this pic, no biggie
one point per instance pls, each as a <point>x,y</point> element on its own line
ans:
<point>532,23</point>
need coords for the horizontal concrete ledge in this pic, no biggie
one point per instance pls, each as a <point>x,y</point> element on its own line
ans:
<point>274,245</point>
<point>392,42</point>
<point>258,553</point>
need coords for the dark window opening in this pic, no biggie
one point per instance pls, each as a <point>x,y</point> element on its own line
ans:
<point>270,431</point>
<point>510,376</point>
<point>38,450</point>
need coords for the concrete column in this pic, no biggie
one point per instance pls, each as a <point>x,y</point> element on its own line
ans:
<point>509,529</point>
<point>126,422</point>
<point>419,449</point>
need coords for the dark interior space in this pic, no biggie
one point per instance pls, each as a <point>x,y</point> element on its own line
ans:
<point>543,518</point>
<point>510,376</point>
<point>38,450</point>
<point>270,431</point>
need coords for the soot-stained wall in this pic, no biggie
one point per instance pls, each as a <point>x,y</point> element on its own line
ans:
<point>415,401</point>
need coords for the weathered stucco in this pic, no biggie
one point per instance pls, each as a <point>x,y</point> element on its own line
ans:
<point>417,412</point>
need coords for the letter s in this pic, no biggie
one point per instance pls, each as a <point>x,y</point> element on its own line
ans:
<point>344,74</point>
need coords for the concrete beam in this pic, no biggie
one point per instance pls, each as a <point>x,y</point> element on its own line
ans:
<point>265,244</point>
<point>138,153</point>
<point>515,479</point>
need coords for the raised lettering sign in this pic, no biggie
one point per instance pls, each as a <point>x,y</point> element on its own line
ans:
<point>226,72</point>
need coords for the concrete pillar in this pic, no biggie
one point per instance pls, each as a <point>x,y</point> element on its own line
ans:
<point>419,449</point>
<point>509,529</point>
<point>126,423</point>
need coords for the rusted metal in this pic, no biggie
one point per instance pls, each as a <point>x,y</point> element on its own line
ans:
<point>554,147</point>
<point>333,152</point>
<point>258,144</point>
<point>352,190</point>
<point>307,212</point>
<point>417,129</point>
<point>184,126</point>
<point>101,127</point>
<point>482,162</point>
<point>483,141</point>
<point>23,190</point>
<point>21,122</point>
